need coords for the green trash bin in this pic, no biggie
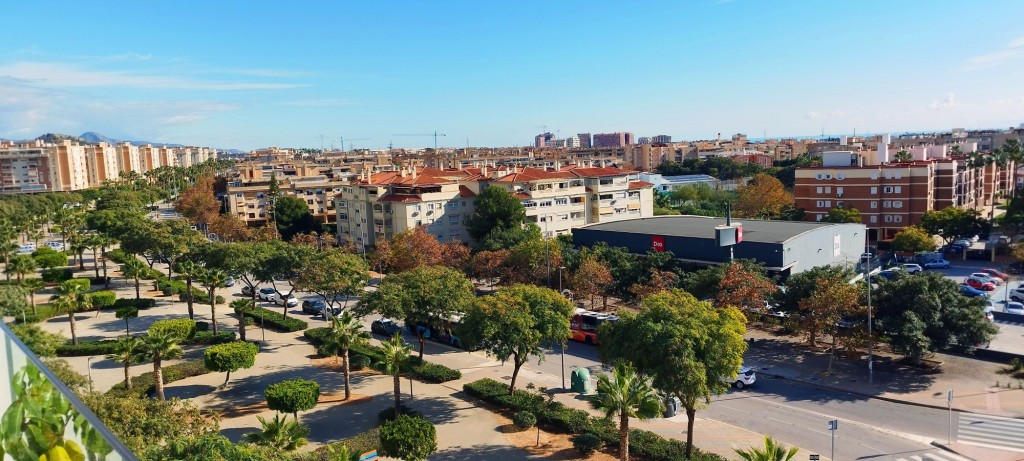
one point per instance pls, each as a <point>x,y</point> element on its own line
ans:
<point>580,380</point>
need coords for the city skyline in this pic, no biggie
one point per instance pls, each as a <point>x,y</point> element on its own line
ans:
<point>284,75</point>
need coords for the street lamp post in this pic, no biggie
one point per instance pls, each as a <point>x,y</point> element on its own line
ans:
<point>89,369</point>
<point>871,339</point>
<point>560,268</point>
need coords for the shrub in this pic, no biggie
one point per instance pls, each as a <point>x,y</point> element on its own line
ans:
<point>118,256</point>
<point>434,373</point>
<point>357,362</point>
<point>408,438</point>
<point>83,348</point>
<point>230,357</point>
<point>38,340</point>
<point>276,321</point>
<point>202,325</point>
<point>57,275</point>
<point>1016,364</point>
<point>141,303</point>
<point>207,337</point>
<point>292,396</point>
<point>101,299</point>
<point>362,443</point>
<point>586,443</point>
<point>143,385</point>
<point>422,370</point>
<point>569,420</point>
<point>524,420</point>
<point>388,414</point>
<point>182,328</point>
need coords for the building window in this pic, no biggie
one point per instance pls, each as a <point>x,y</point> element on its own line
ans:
<point>897,189</point>
<point>874,175</point>
<point>819,217</point>
<point>419,223</point>
<point>545,204</point>
<point>820,189</point>
<point>897,204</point>
<point>839,204</point>
<point>819,176</point>
<point>463,203</point>
<point>828,190</point>
<point>897,218</point>
<point>576,199</point>
<point>874,190</point>
<point>874,204</point>
<point>452,205</point>
<point>820,203</point>
<point>887,189</point>
<point>828,204</point>
<point>839,191</point>
<point>874,219</point>
<point>561,201</point>
<point>888,218</point>
<point>899,175</point>
<point>840,176</point>
<point>454,219</point>
<point>886,204</point>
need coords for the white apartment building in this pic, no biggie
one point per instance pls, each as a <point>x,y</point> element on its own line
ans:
<point>554,200</point>
<point>615,194</point>
<point>247,194</point>
<point>24,168</point>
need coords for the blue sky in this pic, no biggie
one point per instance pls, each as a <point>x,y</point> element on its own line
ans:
<point>255,74</point>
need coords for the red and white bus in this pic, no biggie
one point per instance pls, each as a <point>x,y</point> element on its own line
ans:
<point>584,324</point>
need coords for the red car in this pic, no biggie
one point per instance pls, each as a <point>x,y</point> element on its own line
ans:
<point>979,284</point>
<point>995,273</point>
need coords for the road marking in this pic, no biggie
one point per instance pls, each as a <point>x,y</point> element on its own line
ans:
<point>779,420</point>
<point>871,447</point>
<point>735,409</point>
<point>904,435</point>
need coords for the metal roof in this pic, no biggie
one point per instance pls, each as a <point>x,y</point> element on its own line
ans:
<point>754,230</point>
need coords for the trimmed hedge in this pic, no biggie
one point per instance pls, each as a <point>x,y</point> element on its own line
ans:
<point>117,255</point>
<point>292,396</point>
<point>524,419</point>
<point>585,444</point>
<point>145,384</point>
<point>101,299</point>
<point>57,275</point>
<point>102,347</point>
<point>182,328</point>
<point>357,362</point>
<point>555,416</point>
<point>141,303</point>
<point>274,320</point>
<point>420,369</point>
<point>362,443</point>
<point>207,337</point>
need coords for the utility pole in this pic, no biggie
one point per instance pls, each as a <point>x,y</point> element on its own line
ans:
<point>871,338</point>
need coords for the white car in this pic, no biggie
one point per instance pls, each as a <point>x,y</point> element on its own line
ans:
<point>1017,294</point>
<point>937,264</point>
<point>988,278</point>
<point>1014,308</point>
<point>988,313</point>
<point>911,268</point>
<point>266,294</point>
<point>27,248</point>
<point>59,246</point>
<point>745,377</point>
<point>290,300</point>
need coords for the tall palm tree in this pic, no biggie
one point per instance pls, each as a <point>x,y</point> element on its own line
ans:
<point>71,297</point>
<point>396,354</point>
<point>241,306</point>
<point>346,331</point>
<point>213,279</point>
<point>127,351</point>
<point>31,286</point>
<point>133,268</point>
<point>629,395</point>
<point>20,266</point>
<point>279,433</point>
<point>7,249</point>
<point>77,245</point>
<point>93,241</point>
<point>104,241</point>
<point>160,346</point>
<point>189,270</point>
<point>772,451</point>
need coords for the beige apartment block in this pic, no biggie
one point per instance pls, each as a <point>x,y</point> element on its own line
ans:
<point>247,194</point>
<point>554,200</point>
<point>68,168</point>
<point>615,194</point>
<point>128,158</point>
<point>149,157</point>
<point>101,160</point>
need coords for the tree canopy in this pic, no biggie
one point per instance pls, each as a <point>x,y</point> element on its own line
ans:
<point>496,210</point>
<point>333,274</point>
<point>293,217</point>
<point>843,215</point>
<point>913,239</point>
<point>951,223</point>
<point>764,197</point>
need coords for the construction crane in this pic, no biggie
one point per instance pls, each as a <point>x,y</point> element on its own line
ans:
<point>341,139</point>
<point>434,134</point>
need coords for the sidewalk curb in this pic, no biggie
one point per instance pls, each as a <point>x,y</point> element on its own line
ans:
<point>947,448</point>
<point>870,396</point>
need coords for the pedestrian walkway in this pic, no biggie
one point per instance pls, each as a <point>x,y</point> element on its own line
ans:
<point>937,455</point>
<point>990,431</point>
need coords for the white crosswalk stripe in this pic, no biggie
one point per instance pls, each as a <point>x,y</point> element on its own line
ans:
<point>934,456</point>
<point>991,431</point>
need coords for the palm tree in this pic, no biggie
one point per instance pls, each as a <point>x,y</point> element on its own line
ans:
<point>160,346</point>
<point>902,156</point>
<point>93,242</point>
<point>346,332</point>
<point>31,286</point>
<point>104,241</point>
<point>20,265</point>
<point>279,433</point>
<point>396,354</point>
<point>134,268</point>
<point>773,451</point>
<point>189,270</point>
<point>241,306</point>
<point>7,249</point>
<point>70,298</point>
<point>78,245</point>
<point>128,351</point>
<point>213,279</point>
<point>629,395</point>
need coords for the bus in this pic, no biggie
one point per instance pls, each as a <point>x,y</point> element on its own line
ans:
<point>584,324</point>
<point>443,331</point>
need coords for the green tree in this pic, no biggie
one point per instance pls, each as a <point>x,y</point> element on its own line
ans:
<point>31,286</point>
<point>279,433</point>
<point>243,261</point>
<point>913,239</point>
<point>71,297</point>
<point>396,356</point>
<point>280,267</point>
<point>832,300</point>
<point>843,215</point>
<point>764,197</point>
<point>902,156</point>
<point>160,346</point>
<point>346,331</point>
<point>772,451</point>
<point>628,395</point>
<point>12,301</point>
<point>134,269</point>
<point>422,296</point>
<point>408,438</point>
<point>292,216</point>
<point>515,322</point>
<point>20,266</point>
<point>951,223</point>
<point>926,313</point>
<point>496,210</point>
<point>41,342</point>
<point>802,286</point>
<point>127,313</point>
<point>230,357</point>
<point>48,258</point>
<point>334,274</point>
<point>686,345</point>
<point>292,396</point>
<point>142,423</point>
<point>213,279</point>
<point>127,351</point>
<point>189,270</point>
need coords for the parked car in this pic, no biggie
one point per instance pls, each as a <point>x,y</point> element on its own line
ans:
<point>59,246</point>
<point>883,276</point>
<point>266,294</point>
<point>980,284</point>
<point>385,327</point>
<point>230,282</point>
<point>1014,308</point>
<point>289,300</point>
<point>987,277</point>
<point>937,264</point>
<point>1017,294</point>
<point>313,306</point>
<point>27,248</point>
<point>745,377</point>
<point>988,313</point>
<point>247,291</point>
<point>997,274</point>
<point>971,292</point>
<point>911,268</point>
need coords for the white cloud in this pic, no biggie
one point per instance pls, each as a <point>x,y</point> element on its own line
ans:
<point>61,75</point>
<point>949,102</point>
<point>1013,50</point>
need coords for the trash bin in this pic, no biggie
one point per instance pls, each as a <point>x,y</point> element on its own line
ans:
<point>580,380</point>
<point>671,407</point>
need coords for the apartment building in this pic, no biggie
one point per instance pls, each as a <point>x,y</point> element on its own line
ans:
<point>247,192</point>
<point>554,200</point>
<point>128,158</point>
<point>68,168</point>
<point>617,139</point>
<point>24,168</point>
<point>101,160</point>
<point>615,194</point>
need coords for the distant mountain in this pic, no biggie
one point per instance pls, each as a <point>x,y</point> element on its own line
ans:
<point>92,136</point>
<point>58,137</point>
